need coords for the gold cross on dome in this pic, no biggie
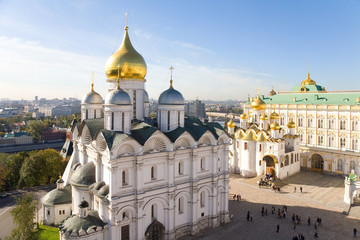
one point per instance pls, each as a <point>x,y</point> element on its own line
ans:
<point>258,91</point>
<point>126,19</point>
<point>92,82</point>
<point>171,73</point>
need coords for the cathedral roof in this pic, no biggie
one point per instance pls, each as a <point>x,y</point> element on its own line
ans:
<point>142,131</point>
<point>83,175</point>
<point>58,196</point>
<point>100,189</point>
<point>76,226</point>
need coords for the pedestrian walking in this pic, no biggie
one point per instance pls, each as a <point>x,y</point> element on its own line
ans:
<point>300,189</point>
<point>248,216</point>
<point>316,235</point>
<point>262,211</point>
<point>237,197</point>
<point>315,226</point>
<point>309,221</point>
<point>294,226</point>
<point>234,197</point>
<point>294,189</point>
<point>277,228</point>
<point>355,233</point>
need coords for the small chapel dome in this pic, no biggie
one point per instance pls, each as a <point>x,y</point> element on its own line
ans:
<point>275,126</point>
<point>274,115</point>
<point>171,97</point>
<point>92,97</point>
<point>291,124</point>
<point>244,116</point>
<point>231,124</point>
<point>118,97</point>
<point>264,117</point>
<point>258,104</point>
<point>126,62</point>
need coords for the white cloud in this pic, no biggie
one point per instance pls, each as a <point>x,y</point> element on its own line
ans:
<point>30,69</point>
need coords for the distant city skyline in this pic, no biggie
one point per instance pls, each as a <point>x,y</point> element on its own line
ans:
<point>220,50</point>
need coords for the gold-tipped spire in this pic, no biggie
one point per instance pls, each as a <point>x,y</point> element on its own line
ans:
<point>132,64</point>
<point>118,84</point>
<point>171,73</point>
<point>126,21</point>
<point>92,82</point>
<point>308,80</point>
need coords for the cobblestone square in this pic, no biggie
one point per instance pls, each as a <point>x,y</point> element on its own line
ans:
<point>322,197</point>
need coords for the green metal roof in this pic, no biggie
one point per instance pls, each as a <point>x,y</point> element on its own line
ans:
<point>94,125</point>
<point>84,175</point>
<point>314,98</point>
<point>76,224</point>
<point>58,196</point>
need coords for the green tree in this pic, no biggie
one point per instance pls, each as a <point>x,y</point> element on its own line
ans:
<point>10,165</point>
<point>41,168</point>
<point>24,214</point>
<point>35,128</point>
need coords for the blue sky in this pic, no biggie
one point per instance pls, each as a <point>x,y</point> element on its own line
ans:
<point>219,49</point>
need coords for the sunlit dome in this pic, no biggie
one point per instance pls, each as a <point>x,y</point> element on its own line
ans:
<point>126,62</point>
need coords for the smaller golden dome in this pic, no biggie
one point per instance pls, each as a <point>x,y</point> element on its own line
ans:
<point>231,124</point>
<point>275,126</point>
<point>258,104</point>
<point>291,124</point>
<point>244,116</point>
<point>274,115</point>
<point>264,117</point>
<point>308,81</point>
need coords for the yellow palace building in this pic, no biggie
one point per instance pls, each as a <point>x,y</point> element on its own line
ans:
<point>328,123</point>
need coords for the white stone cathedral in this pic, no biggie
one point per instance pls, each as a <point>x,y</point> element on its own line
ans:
<point>133,177</point>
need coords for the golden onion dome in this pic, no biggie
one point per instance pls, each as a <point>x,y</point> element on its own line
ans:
<point>308,81</point>
<point>275,126</point>
<point>258,104</point>
<point>291,124</point>
<point>126,62</point>
<point>231,124</point>
<point>264,117</point>
<point>274,115</point>
<point>244,116</point>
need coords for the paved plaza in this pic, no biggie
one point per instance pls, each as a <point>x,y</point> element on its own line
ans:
<point>322,197</point>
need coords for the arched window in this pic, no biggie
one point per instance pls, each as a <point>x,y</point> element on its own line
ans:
<point>181,205</point>
<point>202,200</point>
<point>178,118</point>
<point>245,146</point>
<point>122,121</point>
<point>123,177</point>
<point>292,158</point>
<point>339,165</point>
<point>153,173</point>
<point>352,165</point>
<point>286,160</point>
<point>202,164</point>
<point>94,113</point>
<point>112,121</point>
<point>259,147</point>
<point>134,104</point>
<point>181,168</point>
<point>342,124</point>
<point>354,144</point>
<point>237,143</point>
<point>153,211</point>
<point>86,114</point>
<point>342,142</point>
<point>168,121</point>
